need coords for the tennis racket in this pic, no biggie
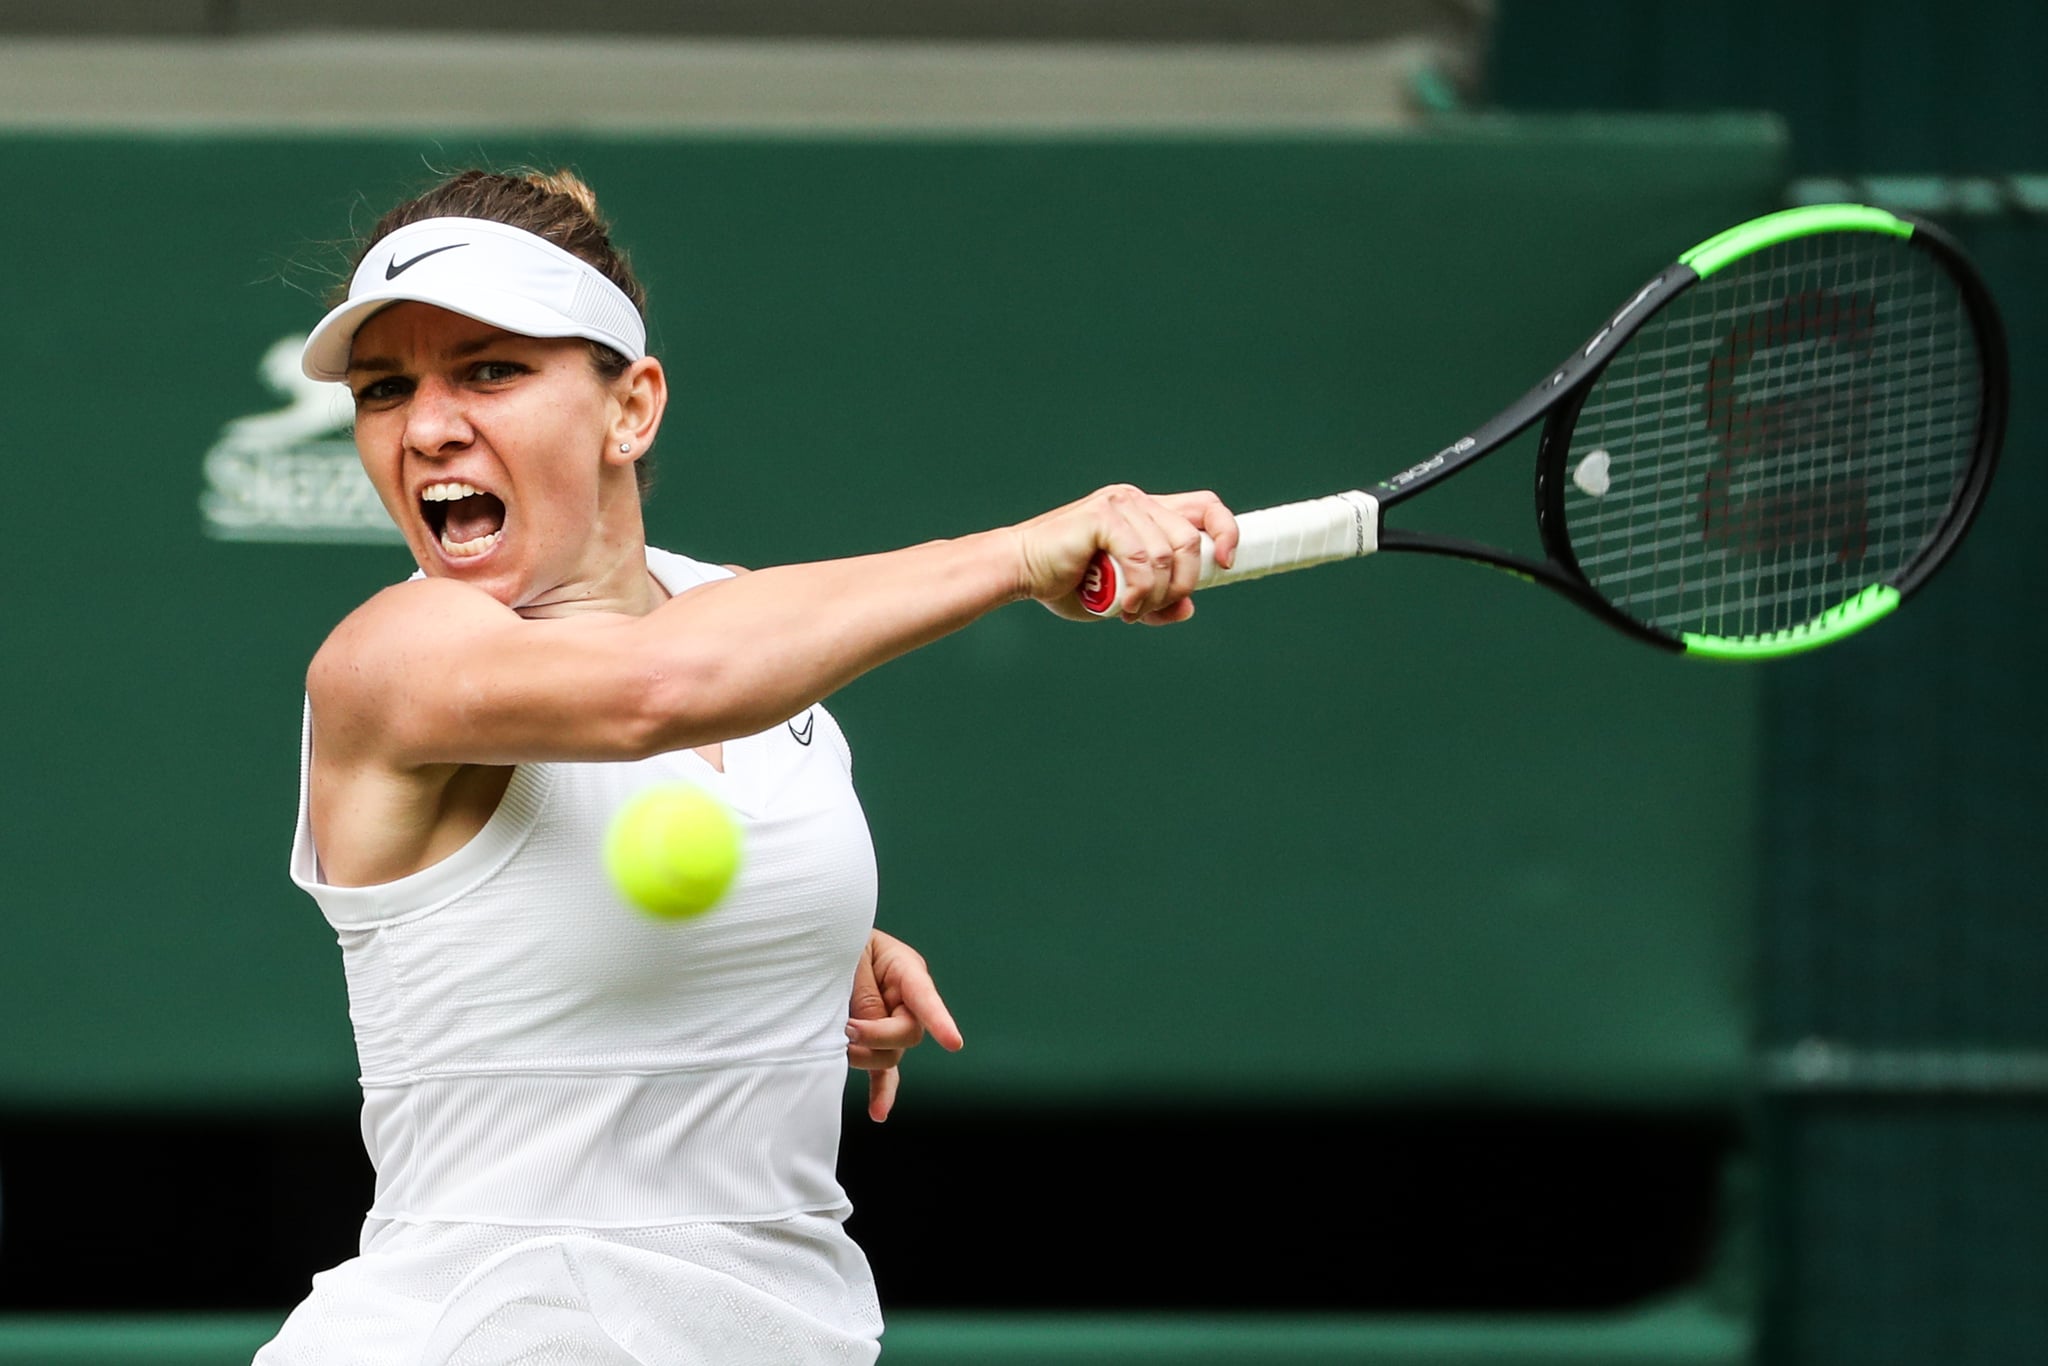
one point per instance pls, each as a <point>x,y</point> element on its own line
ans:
<point>1767,448</point>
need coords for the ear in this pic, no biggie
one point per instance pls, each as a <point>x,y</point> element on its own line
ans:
<point>639,397</point>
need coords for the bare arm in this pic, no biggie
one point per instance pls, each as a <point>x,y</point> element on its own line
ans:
<point>432,672</point>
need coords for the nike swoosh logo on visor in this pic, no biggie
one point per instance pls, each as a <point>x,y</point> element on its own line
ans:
<point>395,268</point>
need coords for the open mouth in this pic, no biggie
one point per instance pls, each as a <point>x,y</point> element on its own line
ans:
<point>464,519</point>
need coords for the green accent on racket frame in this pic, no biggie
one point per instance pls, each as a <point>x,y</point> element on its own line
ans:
<point>1872,604</point>
<point>1753,236</point>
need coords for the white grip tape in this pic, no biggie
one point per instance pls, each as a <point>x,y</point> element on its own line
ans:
<point>1270,541</point>
<point>1296,535</point>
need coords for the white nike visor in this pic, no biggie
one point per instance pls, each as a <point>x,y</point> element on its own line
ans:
<point>497,274</point>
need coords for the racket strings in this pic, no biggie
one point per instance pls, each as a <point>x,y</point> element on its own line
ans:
<point>1789,431</point>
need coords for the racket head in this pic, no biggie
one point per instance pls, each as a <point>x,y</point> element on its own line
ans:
<point>1789,442</point>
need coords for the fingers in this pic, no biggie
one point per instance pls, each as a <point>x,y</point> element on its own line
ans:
<point>882,1087</point>
<point>867,1001</point>
<point>1167,616</point>
<point>884,1069</point>
<point>1186,519</point>
<point>1207,511</point>
<point>1151,552</point>
<point>913,1003</point>
<point>1157,545</point>
<point>894,1004</point>
<point>877,1046</point>
<point>895,1034</point>
<point>920,996</point>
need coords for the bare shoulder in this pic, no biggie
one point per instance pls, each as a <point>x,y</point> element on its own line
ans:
<point>432,672</point>
<point>383,655</point>
<point>415,601</point>
<point>401,624</point>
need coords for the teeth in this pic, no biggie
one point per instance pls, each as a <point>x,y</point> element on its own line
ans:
<point>457,550</point>
<point>448,493</point>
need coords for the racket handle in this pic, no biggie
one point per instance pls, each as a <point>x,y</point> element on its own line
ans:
<point>1269,541</point>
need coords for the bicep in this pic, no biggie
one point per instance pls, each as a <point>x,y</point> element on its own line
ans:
<point>435,673</point>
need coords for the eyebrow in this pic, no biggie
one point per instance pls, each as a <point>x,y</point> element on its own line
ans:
<point>495,337</point>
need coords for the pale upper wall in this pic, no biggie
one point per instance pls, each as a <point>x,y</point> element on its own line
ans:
<point>799,64</point>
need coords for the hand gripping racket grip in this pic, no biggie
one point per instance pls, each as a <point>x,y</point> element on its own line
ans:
<point>1270,541</point>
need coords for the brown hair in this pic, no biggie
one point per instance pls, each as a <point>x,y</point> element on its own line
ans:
<point>554,205</point>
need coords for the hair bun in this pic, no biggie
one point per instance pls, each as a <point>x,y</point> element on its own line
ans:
<point>568,183</point>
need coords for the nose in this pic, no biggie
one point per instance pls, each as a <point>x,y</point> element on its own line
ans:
<point>436,423</point>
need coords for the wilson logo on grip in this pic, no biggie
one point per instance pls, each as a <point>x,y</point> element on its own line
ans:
<point>1098,585</point>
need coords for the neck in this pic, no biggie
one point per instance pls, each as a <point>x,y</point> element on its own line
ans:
<point>612,573</point>
<point>620,582</point>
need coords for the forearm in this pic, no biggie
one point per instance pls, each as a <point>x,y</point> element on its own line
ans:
<point>750,651</point>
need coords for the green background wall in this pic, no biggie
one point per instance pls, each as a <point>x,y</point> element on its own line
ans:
<point>1901,1022</point>
<point>1401,829</point>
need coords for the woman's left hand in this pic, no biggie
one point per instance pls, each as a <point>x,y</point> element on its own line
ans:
<point>895,1004</point>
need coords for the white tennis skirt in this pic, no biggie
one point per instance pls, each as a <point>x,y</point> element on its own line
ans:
<point>786,1292</point>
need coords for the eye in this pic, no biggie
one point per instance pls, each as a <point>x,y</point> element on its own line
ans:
<point>385,390</point>
<point>496,371</point>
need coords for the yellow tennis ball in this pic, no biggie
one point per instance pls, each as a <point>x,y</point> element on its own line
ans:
<point>673,850</point>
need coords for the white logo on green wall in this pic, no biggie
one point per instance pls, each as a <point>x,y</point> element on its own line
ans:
<point>292,474</point>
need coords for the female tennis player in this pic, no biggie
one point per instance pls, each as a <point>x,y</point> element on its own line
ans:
<point>598,1137</point>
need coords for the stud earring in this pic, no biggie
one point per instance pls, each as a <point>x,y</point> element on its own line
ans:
<point>625,448</point>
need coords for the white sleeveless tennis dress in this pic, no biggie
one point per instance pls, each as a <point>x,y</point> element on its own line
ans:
<point>601,1138</point>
